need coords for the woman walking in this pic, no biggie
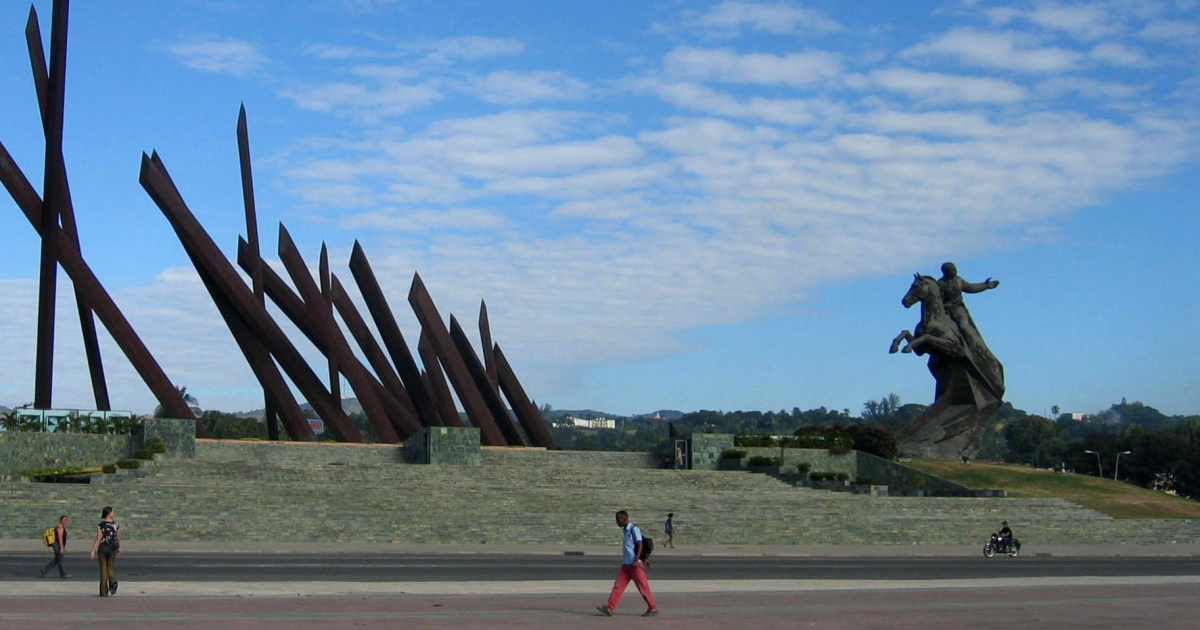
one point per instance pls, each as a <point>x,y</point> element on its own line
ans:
<point>107,545</point>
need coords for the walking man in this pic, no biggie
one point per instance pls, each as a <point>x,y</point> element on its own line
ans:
<point>60,549</point>
<point>632,568</point>
<point>670,530</point>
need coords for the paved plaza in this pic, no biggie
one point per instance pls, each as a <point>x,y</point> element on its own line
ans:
<point>1030,603</point>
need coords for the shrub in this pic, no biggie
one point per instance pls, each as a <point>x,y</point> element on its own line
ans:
<point>803,467</point>
<point>763,461</point>
<point>733,453</point>
<point>47,474</point>
<point>109,468</point>
<point>142,453</point>
<point>156,445</point>
<point>749,439</point>
<point>830,476</point>
<point>130,464</point>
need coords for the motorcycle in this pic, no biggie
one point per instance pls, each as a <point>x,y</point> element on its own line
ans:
<point>997,545</point>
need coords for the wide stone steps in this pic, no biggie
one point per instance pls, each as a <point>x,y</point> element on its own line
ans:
<point>563,501</point>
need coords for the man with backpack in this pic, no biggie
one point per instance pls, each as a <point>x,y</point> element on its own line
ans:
<point>59,544</point>
<point>634,549</point>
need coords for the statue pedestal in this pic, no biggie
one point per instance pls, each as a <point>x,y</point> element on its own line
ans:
<point>954,425</point>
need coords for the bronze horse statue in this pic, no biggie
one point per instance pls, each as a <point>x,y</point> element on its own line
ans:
<point>936,331</point>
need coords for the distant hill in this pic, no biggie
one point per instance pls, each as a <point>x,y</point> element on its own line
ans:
<point>662,414</point>
<point>349,405</point>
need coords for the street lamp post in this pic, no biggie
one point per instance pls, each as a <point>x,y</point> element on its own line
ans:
<point>1099,467</point>
<point>1118,464</point>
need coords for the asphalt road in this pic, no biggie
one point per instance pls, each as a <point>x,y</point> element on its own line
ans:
<point>222,567</point>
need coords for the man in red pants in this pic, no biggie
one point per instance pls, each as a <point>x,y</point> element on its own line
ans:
<point>631,569</point>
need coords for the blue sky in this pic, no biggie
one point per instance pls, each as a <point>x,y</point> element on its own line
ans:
<point>688,205</point>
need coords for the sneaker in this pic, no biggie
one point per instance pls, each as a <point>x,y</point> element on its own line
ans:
<point>42,574</point>
<point>605,610</point>
<point>112,587</point>
<point>67,576</point>
<point>650,612</point>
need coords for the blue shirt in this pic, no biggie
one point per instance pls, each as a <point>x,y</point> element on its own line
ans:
<point>630,538</point>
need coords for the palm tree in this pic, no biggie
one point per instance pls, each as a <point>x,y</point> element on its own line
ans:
<point>9,421</point>
<point>188,400</point>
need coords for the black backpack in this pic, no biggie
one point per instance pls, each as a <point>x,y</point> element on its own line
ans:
<point>647,549</point>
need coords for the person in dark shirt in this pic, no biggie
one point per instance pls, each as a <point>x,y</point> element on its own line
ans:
<point>60,549</point>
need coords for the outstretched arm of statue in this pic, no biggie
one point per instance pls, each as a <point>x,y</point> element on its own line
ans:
<point>979,287</point>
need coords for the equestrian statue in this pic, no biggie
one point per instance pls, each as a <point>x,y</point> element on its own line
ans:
<point>970,380</point>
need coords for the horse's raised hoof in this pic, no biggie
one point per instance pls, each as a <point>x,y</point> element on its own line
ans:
<point>894,349</point>
<point>907,350</point>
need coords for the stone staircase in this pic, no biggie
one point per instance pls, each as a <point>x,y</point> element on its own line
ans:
<point>257,492</point>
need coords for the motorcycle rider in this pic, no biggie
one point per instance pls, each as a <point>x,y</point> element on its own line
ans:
<point>1006,535</point>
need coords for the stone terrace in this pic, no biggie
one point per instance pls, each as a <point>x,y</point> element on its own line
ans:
<point>340,493</point>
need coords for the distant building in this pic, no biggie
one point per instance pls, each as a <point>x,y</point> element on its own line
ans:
<point>1078,417</point>
<point>592,423</point>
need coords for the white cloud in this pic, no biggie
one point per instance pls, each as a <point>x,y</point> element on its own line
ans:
<point>727,66</point>
<point>777,17</point>
<point>471,48</point>
<point>228,56</point>
<point>507,87</point>
<point>360,101</point>
<point>1005,51</point>
<point>699,98</point>
<point>946,88</point>
<point>1112,93</point>
<point>1121,55</point>
<point>424,220</point>
<point>1087,22</point>
<point>941,123</point>
<point>1173,31</point>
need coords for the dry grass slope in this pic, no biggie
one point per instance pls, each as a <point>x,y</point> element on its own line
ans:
<point>1114,498</point>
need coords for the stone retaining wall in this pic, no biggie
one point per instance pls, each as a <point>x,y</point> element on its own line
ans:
<point>457,446</point>
<point>504,456</point>
<point>317,453</point>
<point>33,451</point>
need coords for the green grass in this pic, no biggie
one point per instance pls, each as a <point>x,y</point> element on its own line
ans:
<point>1114,498</point>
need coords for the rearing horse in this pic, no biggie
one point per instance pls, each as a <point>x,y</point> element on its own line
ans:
<point>935,332</point>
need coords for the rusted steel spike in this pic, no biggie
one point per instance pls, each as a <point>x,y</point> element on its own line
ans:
<point>255,265</point>
<point>485,341</point>
<point>295,310</point>
<point>491,397</point>
<point>442,397</point>
<point>254,261</point>
<point>339,351</point>
<point>326,307</point>
<point>370,347</point>
<point>276,392</point>
<point>87,324</point>
<point>157,183</point>
<point>452,362</point>
<point>37,59</point>
<point>390,333</point>
<point>102,303</point>
<point>526,411</point>
<point>52,194</point>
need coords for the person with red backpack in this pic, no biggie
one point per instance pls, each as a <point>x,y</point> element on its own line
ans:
<point>633,567</point>
<point>60,549</point>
